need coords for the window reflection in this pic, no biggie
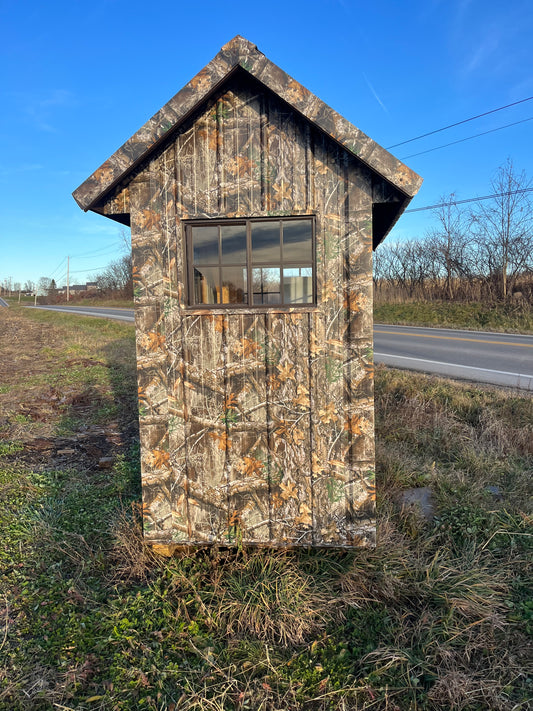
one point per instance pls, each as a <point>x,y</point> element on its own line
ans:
<point>206,285</point>
<point>234,285</point>
<point>205,245</point>
<point>251,262</point>
<point>266,285</point>
<point>298,285</point>
<point>233,244</point>
<point>297,241</point>
<point>266,242</point>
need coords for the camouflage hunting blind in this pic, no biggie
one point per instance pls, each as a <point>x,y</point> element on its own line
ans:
<point>253,209</point>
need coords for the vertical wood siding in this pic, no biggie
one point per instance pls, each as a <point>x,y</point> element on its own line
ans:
<point>256,427</point>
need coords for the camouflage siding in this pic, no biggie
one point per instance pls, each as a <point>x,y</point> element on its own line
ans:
<point>256,426</point>
<point>241,55</point>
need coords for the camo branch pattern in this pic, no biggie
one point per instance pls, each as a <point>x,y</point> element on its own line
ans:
<point>256,427</point>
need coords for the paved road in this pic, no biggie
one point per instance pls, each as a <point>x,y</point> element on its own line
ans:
<point>116,314</point>
<point>497,358</point>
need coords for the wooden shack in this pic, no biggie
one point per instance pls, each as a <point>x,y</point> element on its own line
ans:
<point>253,209</point>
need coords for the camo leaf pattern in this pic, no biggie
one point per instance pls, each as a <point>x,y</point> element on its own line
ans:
<point>256,425</point>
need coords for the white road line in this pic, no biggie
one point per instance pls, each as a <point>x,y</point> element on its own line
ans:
<point>470,332</point>
<point>454,365</point>
<point>523,380</point>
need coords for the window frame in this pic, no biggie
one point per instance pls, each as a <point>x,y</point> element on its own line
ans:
<point>283,264</point>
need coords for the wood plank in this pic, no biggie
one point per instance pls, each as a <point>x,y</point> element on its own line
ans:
<point>300,171</point>
<point>289,413</point>
<point>207,435</point>
<point>171,254</point>
<point>360,487</point>
<point>151,357</point>
<point>251,153</point>
<point>246,417</point>
<point>227,123</point>
<point>327,351</point>
<point>186,162</point>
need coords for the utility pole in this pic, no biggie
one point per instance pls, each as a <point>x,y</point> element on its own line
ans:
<point>68,285</point>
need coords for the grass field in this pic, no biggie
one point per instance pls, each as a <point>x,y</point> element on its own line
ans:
<point>438,616</point>
<point>511,318</point>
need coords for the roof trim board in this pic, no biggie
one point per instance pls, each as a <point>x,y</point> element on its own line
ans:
<point>239,52</point>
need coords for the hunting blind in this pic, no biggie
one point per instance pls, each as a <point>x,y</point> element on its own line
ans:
<point>253,208</point>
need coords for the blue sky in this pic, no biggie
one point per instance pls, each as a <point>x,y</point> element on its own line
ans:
<point>79,78</point>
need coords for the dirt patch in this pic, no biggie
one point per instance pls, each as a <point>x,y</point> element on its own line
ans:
<point>45,422</point>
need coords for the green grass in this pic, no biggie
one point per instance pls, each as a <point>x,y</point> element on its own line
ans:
<point>438,616</point>
<point>510,318</point>
<point>7,449</point>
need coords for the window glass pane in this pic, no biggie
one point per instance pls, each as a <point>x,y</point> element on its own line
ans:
<point>205,245</point>
<point>298,285</point>
<point>206,285</point>
<point>266,285</point>
<point>234,288</point>
<point>297,242</point>
<point>233,244</point>
<point>266,242</point>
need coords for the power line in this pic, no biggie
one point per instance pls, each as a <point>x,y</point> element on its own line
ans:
<point>85,271</point>
<point>462,140</point>
<point>58,266</point>
<point>92,256</point>
<point>458,123</point>
<point>474,199</point>
<point>78,271</point>
<point>97,251</point>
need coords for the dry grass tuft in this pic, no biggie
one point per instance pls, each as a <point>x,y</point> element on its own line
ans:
<point>270,598</point>
<point>133,559</point>
<point>261,594</point>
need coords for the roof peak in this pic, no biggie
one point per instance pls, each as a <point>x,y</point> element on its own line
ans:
<point>239,42</point>
<point>240,52</point>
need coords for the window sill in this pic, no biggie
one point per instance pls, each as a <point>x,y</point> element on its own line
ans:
<point>248,310</point>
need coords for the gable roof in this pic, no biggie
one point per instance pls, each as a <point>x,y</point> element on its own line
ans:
<point>239,52</point>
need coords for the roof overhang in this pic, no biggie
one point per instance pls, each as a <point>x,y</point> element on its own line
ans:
<point>239,53</point>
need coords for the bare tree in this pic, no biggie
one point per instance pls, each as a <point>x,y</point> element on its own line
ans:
<point>503,229</point>
<point>404,265</point>
<point>43,285</point>
<point>117,277</point>
<point>450,245</point>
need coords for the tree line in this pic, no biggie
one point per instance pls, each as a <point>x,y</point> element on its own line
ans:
<point>115,281</point>
<point>478,253</point>
<point>483,252</point>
